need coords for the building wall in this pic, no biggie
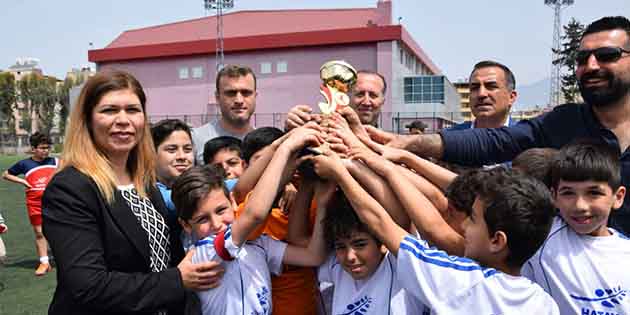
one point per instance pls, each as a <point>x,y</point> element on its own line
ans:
<point>167,94</point>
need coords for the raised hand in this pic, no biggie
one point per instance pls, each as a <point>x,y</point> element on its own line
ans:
<point>299,115</point>
<point>327,165</point>
<point>377,163</point>
<point>309,134</point>
<point>354,123</point>
<point>389,139</point>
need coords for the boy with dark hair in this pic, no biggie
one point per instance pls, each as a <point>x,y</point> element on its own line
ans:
<point>296,286</point>
<point>37,171</point>
<point>510,219</point>
<point>581,263</point>
<point>360,269</point>
<point>536,162</point>
<point>257,139</point>
<point>206,211</point>
<point>225,151</point>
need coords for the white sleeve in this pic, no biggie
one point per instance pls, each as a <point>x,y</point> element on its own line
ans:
<point>324,272</point>
<point>434,277</point>
<point>206,250</point>
<point>275,253</point>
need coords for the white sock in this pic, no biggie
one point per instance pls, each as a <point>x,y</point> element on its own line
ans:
<point>43,259</point>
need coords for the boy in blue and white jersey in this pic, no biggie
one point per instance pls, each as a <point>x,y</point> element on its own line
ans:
<point>510,219</point>
<point>206,210</point>
<point>362,271</point>
<point>582,264</point>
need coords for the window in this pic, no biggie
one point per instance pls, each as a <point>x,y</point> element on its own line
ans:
<point>424,89</point>
<point>265,67</point>
<point>281,67</point>
<point>183,73</point>
<point>197,72</point>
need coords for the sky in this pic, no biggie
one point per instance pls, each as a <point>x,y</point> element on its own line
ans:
<point>454,33</point>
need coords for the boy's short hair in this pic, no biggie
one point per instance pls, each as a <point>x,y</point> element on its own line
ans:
<point>536,162</point>
<point>586,160</point>
<point>38,138</point>
<point>341,221</point>
<point>521,207</point>
<point>461,192</point>
<point>194,185</point>
<point>213,146</point>
<point>164,128</point>
<point>258,139</point>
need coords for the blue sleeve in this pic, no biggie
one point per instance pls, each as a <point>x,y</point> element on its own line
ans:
<point>17,168</point>
<point>488,146</point>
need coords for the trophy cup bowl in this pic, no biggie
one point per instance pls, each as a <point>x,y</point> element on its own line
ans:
<point>337,77</point>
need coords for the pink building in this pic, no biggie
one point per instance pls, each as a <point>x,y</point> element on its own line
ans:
<point>176,62</point>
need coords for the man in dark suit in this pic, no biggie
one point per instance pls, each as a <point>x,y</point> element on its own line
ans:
<point>492,93</point>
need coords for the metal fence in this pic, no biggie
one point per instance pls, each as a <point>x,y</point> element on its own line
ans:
<point>390,121</point>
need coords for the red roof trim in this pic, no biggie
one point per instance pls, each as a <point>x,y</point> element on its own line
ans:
<point>287,40</point>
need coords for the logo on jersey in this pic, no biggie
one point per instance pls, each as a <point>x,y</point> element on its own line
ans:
<point>359,307</point>
<point>263,299</point>
<point>609,298</point>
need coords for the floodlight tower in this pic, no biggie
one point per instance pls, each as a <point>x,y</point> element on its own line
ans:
<point>219,6</point>
<point>554,89</point>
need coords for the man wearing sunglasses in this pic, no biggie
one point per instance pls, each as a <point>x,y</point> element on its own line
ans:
<point>603,71</point>
<point>236,97</point>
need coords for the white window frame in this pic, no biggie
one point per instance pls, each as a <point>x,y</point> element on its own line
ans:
<point>282,67</point>
<point>265,68</point>
<point>183,73</point>
<point>197,72</point>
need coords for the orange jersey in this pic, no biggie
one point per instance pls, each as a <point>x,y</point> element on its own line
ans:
<point>295,291</point>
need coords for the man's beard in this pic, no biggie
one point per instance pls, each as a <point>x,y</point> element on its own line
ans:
<point>603,96</point>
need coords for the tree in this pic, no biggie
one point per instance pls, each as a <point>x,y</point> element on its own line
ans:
<point>38,95</point>
<point>63,97</point>
<point>8,98</point>
<point>570,45</point>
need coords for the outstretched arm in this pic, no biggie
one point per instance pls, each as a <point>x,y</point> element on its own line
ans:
<point>272,180</point>
<point>424,215</point>
<point>315,253</point>
<point>367,208</point>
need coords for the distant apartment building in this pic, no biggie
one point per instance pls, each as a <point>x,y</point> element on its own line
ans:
<point>176,62</point>
<point>463,89</point>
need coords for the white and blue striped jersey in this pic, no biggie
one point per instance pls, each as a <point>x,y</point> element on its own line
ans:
<point>380,294</point>
<point>246,284</point>
<point>456,285</point>
<point>584,274</point>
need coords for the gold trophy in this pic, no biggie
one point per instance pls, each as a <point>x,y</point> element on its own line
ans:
<point>338,77</point>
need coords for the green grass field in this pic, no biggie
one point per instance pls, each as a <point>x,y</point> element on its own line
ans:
<point>20,291</point>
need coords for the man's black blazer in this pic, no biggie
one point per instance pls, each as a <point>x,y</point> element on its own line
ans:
<point>102,253</point>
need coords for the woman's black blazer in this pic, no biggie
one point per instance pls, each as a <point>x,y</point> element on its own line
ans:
<point>102,253</point>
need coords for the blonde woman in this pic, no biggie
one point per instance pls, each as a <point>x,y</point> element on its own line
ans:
<point>104,218</point>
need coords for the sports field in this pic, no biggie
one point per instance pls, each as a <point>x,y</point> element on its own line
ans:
<point>20,291</point>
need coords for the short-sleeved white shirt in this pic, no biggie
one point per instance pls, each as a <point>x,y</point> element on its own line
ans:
<point>380,294</point>
<point>456,285</point>
<point>246,284</point>
<point>584,274</point>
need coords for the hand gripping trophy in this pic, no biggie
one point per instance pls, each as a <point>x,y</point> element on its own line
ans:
<point>338,77</point>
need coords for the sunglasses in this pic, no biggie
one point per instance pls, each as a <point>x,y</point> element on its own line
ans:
<point>602,54</point>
